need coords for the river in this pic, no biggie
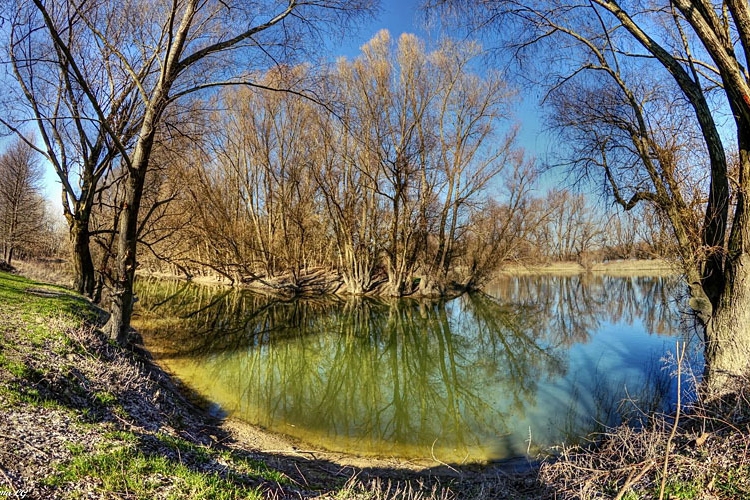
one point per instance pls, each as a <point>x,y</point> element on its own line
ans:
<point>534,362</point>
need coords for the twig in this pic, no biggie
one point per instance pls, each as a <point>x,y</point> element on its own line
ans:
<point>528,448</point>
<point>632,480</point>
<point>26,443</point>
<point>680,358</point>
<point>432,453</point>
<point>616,469</point>
<point>10,482</point>
<point>301,475</point>
<point>128,425</point>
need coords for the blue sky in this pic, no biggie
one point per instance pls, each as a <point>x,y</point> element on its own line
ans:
<point>397,16</point>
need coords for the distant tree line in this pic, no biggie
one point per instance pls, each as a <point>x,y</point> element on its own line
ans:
<point>27,227</point>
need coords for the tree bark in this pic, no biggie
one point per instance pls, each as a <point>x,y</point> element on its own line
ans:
<point>727,334</point>
<point>727,341</point>
<point>83,264</point>
<point>121,293</point>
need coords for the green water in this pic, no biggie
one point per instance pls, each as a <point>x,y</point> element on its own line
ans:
<point>534,362</point>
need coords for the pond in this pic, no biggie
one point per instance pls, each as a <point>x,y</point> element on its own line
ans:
<point>533,362</point>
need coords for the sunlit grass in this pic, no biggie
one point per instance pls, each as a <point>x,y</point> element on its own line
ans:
<point>120,466</point>
<point>42,311</point>
<point>124,470</point>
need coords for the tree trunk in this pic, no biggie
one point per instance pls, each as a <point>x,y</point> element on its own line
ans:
<point>83,264</point>
<point>121,293</point>
<point>727,348</point>
<point>727,339</point>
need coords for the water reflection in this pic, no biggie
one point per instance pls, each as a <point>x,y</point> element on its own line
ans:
<point>481,377</point>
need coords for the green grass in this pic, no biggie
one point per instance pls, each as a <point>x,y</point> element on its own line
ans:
<point>124,436</point>
<point>41,312</point>
<point>127,471</point>
<point>248,466</point>
<point>105,398</point>
<point>683,489</point>
<point>734,483</point>
<point>198,454</point>
<point>15,368</point>
<point>240,465</point>
<point>118,466</point>
<point>35,302</point>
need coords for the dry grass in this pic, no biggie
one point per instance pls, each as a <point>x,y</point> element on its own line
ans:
<point>625,268</point>
<point>58,272</point>
<point>701,453</point>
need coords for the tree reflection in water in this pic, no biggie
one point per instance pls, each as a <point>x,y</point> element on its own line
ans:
<point>466,379</point>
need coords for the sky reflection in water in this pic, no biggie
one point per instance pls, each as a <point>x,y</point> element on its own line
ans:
<point>535,361</point>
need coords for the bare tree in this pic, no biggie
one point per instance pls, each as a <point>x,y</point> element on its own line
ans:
<point>632,135</point>
<point>502,231</point>
<point>161,217</point>
<point>703,49</point>
<point>252,190</point>
<point>288,183</point>
<point>166,52</point>
<point>22,217</point>
<point>76,123</point>
<point>264,153</point>
<point>620,239</point>
<point>573,229</point>
<point>470,151</point>
<point>423,124</point>
<point>393,94</point>
<point>347,175</point>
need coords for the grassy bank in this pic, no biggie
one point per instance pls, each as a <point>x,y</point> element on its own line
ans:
<point>83,418</point>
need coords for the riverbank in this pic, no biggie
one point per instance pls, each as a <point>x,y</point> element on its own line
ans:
<point>326,282</point>
<point>617,268</point>
<point>83,418</point>
<point>59,272</point>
